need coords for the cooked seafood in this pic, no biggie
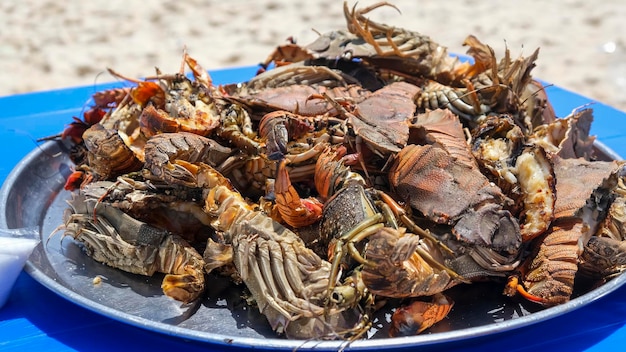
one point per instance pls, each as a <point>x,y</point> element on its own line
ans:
<point>382,119</point>
<point>107,154</point>
<point>366,168</point>
<point>395,263</point>
<point>287,280</point>
<point>419,315</point>
<point>568,137</point>
<point>163,150</point>
<point>114,238</point>
<point>584,188</point>
<point>446,191</point>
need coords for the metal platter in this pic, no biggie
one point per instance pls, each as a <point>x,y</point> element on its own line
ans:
<point>33,196</point>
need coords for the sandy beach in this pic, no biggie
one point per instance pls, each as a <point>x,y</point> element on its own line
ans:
<point>48,44</point>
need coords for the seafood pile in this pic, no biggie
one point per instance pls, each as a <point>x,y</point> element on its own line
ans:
<point>367,167</point>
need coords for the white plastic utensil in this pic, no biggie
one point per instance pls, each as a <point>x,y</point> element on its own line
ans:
<point>16,245</point>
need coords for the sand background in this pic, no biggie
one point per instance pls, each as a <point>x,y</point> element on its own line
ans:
<point>50,44</point>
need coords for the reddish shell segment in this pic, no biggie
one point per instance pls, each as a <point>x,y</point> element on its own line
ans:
<point>551,272</point>
<point>419,316</point>
<point>437,185</point>
<point>200,119</point>
<point>383,119</point>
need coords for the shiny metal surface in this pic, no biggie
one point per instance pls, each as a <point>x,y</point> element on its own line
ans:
<point>33,195</point>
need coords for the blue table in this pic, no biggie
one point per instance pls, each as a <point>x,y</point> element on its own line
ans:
<point>36,318</point>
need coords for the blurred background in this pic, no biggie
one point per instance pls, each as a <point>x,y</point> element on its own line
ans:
<point>49,44</point>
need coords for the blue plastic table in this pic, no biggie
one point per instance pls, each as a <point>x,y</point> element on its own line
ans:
<point>36,318</point>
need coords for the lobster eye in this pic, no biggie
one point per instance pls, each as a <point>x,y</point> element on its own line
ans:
<point>336,297</point>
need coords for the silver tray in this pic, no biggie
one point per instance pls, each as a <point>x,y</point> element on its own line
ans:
<point>33,196</point>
